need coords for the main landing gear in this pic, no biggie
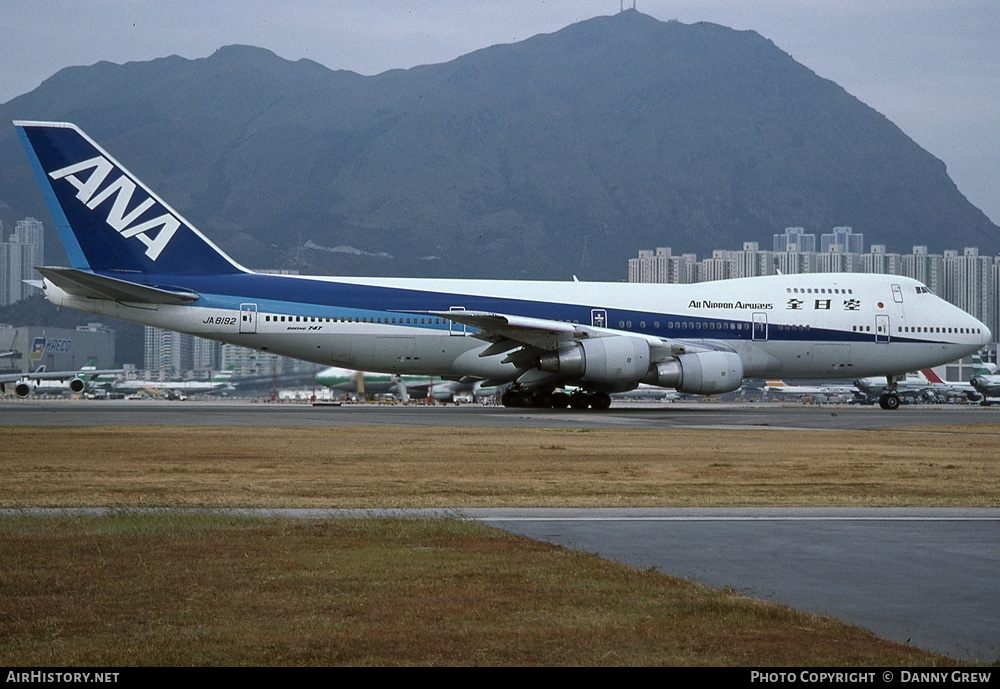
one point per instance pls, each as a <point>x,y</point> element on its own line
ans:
<point>549,399</point>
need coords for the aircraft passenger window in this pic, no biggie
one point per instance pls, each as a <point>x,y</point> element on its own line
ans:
<point>642,324</point>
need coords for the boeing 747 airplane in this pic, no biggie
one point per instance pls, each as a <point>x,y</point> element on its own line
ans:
<point>135,258</point>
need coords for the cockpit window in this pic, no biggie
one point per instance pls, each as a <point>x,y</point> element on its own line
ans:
<point>923,290</point>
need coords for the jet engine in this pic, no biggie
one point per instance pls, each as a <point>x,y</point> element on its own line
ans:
<point>702,373</point>
<point>620,362</point>
<point>77,385</point>
<point>22,389</point>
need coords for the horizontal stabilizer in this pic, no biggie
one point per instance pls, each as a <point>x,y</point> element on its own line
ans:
<point>80,283</point>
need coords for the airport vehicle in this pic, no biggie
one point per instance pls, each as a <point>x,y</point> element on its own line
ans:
<point>42,382</point>
<point>135,258</point>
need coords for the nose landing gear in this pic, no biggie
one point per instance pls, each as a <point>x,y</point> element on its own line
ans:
<point>890,398</point>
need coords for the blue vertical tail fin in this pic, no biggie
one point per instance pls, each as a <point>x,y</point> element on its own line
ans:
<point>107,219</point>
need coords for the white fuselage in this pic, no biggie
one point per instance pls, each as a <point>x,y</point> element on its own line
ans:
<point>802,326</point>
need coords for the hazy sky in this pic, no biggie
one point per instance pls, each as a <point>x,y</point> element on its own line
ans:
<point>930,66</point>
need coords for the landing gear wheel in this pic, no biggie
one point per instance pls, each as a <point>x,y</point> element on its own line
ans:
<point>510,399</point>
<point>560,400</point>
<point>600,400</point>
<point>889,400</point>
<point>544,400</point>
<point>579,400</point>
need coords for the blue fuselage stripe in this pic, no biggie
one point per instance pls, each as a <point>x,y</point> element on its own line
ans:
<point>290,296</point>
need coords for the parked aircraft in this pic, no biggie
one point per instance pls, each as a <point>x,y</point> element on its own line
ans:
<point>404,388</point>
<point>42,382</point>
<point>220,383</point>
<point>135,258</point>
<point>359,383</point>
<point>985,381</point>
<point>988,387</point>
<point>781,388</point>
<point>940,390</point>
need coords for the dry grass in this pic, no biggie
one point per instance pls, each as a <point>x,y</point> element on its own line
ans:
<point>214,590</point>
<point>371,467</point>
<point>169,589</point>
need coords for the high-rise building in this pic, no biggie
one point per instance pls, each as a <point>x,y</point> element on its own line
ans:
<point>795,239</point>
<point>843,240</point>
<point>967,282</point>
<point>18,258</point>
<point>923,266</point>
<point>661,266</point>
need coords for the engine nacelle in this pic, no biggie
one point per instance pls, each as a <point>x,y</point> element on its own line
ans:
<point>77,385</point>
<point>22,389</point>
<point>616,361</point>
<point>703,373</point>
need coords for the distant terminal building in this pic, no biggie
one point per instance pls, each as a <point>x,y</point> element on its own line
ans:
<point>58,349</point>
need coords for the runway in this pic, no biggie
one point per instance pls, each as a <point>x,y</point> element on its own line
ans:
<point>922,576</point>
<point>37,412</point>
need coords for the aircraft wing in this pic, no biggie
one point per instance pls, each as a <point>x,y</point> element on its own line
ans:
<point>55,375</point>
<point>508,332</point>
<point>81,283</point>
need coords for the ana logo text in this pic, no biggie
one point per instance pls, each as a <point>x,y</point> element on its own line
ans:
<point>120,217</point>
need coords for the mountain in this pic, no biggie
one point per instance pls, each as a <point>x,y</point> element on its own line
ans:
<point>562,154</point>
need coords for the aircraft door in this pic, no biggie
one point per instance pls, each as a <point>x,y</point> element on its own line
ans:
<point>760,326</point>
<point>455,328</point>
<point>897,294</point>
<point>248,318</point>
<point>881,328</point>
<point>599,318</point>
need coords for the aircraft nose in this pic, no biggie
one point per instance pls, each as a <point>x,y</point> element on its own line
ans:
<point>987,336</point>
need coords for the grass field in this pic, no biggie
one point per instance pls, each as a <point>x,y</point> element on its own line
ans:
<point>371,467</point>
<point>201,589</point>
